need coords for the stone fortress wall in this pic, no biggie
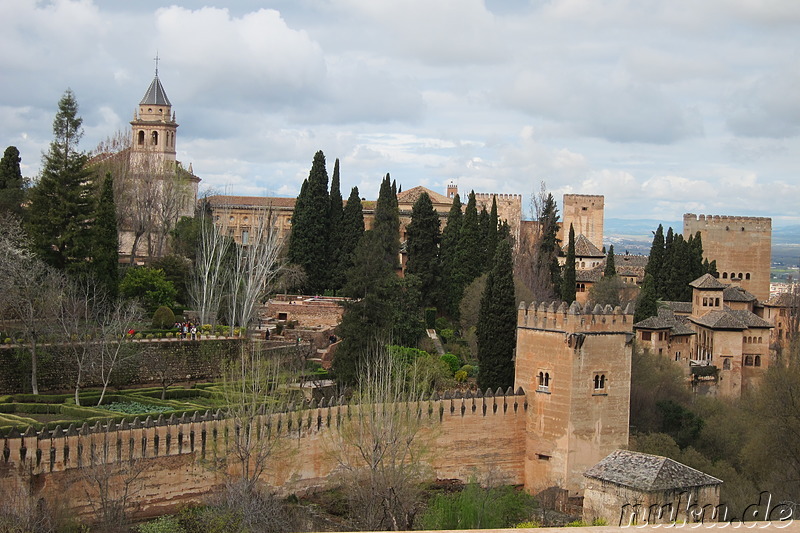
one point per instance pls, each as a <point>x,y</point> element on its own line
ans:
<point>528,435</point>
<point>509,208</point>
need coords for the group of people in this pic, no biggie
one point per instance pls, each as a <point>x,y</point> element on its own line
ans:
<point>185,329</point>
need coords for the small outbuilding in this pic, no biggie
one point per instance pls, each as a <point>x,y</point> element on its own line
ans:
<point>637,488</point>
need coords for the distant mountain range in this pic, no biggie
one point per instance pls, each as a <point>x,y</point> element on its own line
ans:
<point>636,235</point>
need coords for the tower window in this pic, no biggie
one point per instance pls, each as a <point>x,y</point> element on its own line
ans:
<point>544,382</point>
<point>726,363</point>
<point>155,138</point>
<point>747,276</point>
<point>599,382</point>
<point>141,138</point>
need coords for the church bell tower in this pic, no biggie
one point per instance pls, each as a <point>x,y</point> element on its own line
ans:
<point>154,129</point>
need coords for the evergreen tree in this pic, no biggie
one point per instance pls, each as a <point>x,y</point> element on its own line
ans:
<point>568,284</point>
<point>549,244</point>
<point>387,223</point>
<point>647,303</point>
<point>105,242</point>
<point>469,265</point>
<point>448,257</point>
<point>483,241</point>
<point>61,203</point>
<point>492,237</point>
<point>337,269</point>
<point>11,182</point>
<point>351,231</point>
<point>310,236</point>
<point>423,247</point>
<point>655,261</point>
<point>611,269</point>
<point>665,276</point>
<point>497,324</point>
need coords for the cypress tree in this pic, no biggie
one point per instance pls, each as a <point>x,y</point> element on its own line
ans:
<point>569,281</point>
<point>337,270</point>
<point>497,324</point>
<point>423,247</point>
<point>665,276</point>
<point>483,241</point>
<point>469,264</point>
<point>105,244</point>
<point>351,231</point>
<point>448,257</point>
<point>647,303</point>
<point>611,269</point>
<point>310,237</point>
<point>655,262</point>
<point>492,237</point>
<point>61,203</point>
<point>549,244</point>
<point>387,223</point>
<point>11,182</point>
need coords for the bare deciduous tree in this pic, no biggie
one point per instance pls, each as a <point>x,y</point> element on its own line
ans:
<point>113,322</point>
<point>30,292</point>
<point>383,447</point>
<point>210,272</point>
<point>255,266</point>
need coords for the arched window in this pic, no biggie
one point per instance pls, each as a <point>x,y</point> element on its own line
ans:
<point>141,138</point>
<point>599,382</point>
<point>748,360</point>
<point>724,275</point>
<point>155,138</point>
<point>757,361</point>
<point>747,276</point>
<point>726,363</point>
<point>716,302</point>
<point>547,379</point>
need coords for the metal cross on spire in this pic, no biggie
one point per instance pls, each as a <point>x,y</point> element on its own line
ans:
<point>156,60</point>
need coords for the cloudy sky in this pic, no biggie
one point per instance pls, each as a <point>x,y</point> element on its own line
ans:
<point>663,106</point>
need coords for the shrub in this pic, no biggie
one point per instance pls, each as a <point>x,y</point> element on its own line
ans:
<point>470,370</point>
<point>442,323</point>
<point>164,524</point>
<point>461,376</point>
<point>170,335</point>
<point>137,336</point>
<point>447,334</point>
<point>8,340</point>
<point>530,524</point>
<point>576,523</point>
<point>451,361</point>
<point>149,336</point>
<point>478,508</point>
<point>163,318</point>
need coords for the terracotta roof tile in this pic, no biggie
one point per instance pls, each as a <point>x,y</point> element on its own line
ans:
<point>707,281</point>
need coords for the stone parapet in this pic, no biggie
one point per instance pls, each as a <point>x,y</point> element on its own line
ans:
<point>557,316</point>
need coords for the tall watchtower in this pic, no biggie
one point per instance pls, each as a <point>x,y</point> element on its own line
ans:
<point>153,129</point>
<point>741,246</point>
<point>575,365</point>
<point>585,212</point>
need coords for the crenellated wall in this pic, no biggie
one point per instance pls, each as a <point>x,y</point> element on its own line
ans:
<point>473,435</point>
<point>543,435</point>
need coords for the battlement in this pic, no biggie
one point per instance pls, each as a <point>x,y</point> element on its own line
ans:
<point>579,196</point>
<point>744,223</point>
<point>556,316</point>
<point>499,196</point>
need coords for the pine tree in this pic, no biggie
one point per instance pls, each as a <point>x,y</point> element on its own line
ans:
<point>61,203</point>
<point>611,269</point>
<point>11,182</point>
<point>310,236</point>
<point>568,284</point>
<point>105,243</point>
<point>448,257</point>
<point>423,247</point>
<point>387,223</point>
<point>497,323</point>
<point>337,269</point>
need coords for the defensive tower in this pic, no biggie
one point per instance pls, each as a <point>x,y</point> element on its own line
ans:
<point>741,246</point>
<point>585,212</point>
